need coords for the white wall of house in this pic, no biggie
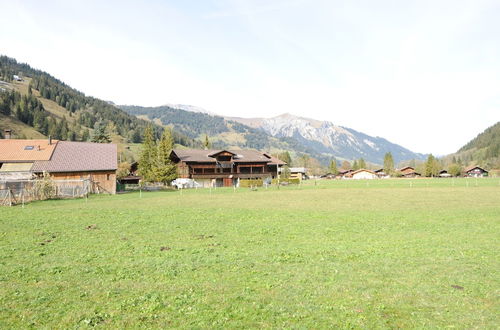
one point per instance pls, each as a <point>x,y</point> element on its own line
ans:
<point>364,175</point>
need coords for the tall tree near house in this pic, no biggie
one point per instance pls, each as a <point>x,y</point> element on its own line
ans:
<point>285,156</point>
<point>148,156</point>
<point>165,170</point>
<point>388,163</point>
<point>432,166</point>
<point>361,163</point>
<point>455,169</point>
<point>101,134</point>
<point>355,165</point>
<point>206,143</point>
<point>333,167</point>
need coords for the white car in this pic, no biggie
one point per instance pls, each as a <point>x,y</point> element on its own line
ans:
<point>182,183</point>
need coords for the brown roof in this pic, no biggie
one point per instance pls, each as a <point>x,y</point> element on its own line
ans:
<point>276,161</point>
<point>79,157</point>
<point>363,170</point>
<point>470,168</point>
<point>13,150</point>
<point>204,156</point>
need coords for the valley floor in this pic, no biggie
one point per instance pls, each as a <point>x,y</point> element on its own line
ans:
<point>385,253</point>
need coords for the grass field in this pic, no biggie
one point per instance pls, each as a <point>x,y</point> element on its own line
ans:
<point>348,254</point>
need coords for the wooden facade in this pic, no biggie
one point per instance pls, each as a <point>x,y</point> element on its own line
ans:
<point>102,181</point>
<point>224,168</point>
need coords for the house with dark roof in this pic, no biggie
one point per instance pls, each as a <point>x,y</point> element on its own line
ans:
<point>475,171</point>
<point>62,160</point>
<point>224,168</point>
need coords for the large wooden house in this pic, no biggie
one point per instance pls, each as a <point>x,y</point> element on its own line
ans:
<point>224,167</point>
<point>62,160</point>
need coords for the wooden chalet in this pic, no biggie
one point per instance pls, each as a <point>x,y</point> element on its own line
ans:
<point>475,172</point>
<point>62,160</point>
<point>408,172</point>
<point>224,167</point>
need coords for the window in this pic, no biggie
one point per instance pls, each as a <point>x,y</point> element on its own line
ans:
<point>29,147</point>
<point>107,176</point>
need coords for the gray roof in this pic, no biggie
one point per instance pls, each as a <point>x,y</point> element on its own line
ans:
<point>79,157</point>
<point>241,156</point>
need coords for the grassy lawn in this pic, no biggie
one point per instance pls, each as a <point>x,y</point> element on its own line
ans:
<point>382,254</point>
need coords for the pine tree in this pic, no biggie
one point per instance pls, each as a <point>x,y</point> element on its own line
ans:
<point>165,170</point>
<point>355,165</point>
<point>333,167</point>
<point>388,163</point>
<point>100,133</point>
<point>206,143</point>
<point>148,156</point>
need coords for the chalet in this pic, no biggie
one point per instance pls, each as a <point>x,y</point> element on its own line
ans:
<point>381,173</point>
<point>224,167</point>
<point>328,176</point>
<point>62,160</point>
<point>363,174</point>
<point>444,174</point>
<point>408,172</point>
<point>475,172</point>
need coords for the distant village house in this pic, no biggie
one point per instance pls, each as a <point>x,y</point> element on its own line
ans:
<point>475,172</point>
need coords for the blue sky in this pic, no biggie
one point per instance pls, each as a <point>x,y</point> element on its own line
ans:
<point>424,74</point>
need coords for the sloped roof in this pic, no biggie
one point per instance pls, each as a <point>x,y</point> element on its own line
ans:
<point>16,167</point>
<point>79,157</point>
<point>14,150</point>
<point>276,161</point>
<point>470,168</point>
<point>207,156</point>
<point>363,170</point>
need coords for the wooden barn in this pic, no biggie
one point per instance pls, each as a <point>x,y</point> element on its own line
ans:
<point>62,160</point>
<point>224,167</point>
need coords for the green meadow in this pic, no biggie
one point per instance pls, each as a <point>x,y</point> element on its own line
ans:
<point>326,254</point>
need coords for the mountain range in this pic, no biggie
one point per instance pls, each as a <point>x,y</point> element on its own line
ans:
<point>321,139</point>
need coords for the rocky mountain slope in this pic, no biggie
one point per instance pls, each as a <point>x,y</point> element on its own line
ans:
<point>326,138</point>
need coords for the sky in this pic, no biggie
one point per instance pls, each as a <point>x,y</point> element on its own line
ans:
<point>423,74</point>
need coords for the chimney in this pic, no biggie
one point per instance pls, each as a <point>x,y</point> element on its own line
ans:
<point>7,134</point>
<point>50,140</point>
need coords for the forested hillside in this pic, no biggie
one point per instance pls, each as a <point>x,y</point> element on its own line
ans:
<point>33,98</point>
<point>483,150</point>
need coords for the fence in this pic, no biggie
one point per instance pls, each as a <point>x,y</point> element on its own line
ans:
<point>24,191</point>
